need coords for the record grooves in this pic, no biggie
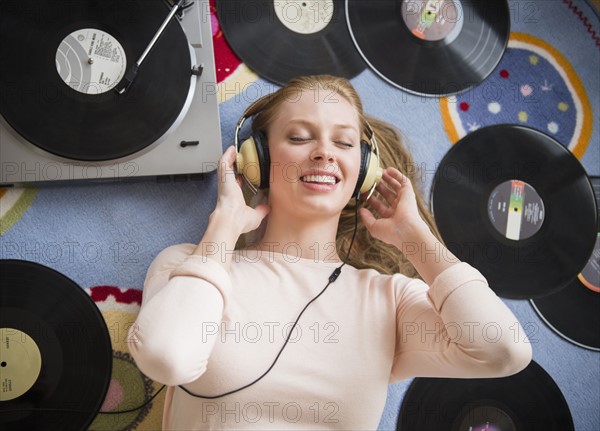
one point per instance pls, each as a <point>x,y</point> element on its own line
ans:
<point>37,102</point>
<point>529,400</point>
<point>56,350</point>
<point>280,40</point>
<point>455,50</point>
<point>574,312</point>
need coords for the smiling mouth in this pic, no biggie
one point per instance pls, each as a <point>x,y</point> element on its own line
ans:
<point>319,179</point>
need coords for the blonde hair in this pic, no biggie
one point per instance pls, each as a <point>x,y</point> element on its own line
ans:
<point>367,252</point>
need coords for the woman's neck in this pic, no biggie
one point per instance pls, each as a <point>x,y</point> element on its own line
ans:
<point>311,239</point>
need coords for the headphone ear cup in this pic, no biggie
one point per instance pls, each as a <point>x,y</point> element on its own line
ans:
<point>264,160</point>
<point>253,161</point>
<point>247,161</point>
<point>370,172</point>
<point>373,174</point>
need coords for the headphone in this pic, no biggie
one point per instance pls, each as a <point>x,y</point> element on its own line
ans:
<point>253,160</point>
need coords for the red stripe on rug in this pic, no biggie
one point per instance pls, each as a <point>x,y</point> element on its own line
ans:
<point>129,296</point>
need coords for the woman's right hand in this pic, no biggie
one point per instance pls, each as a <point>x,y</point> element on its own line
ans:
<point>230,199</point>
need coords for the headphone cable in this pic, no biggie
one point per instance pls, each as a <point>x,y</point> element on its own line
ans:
<point>332,278</point>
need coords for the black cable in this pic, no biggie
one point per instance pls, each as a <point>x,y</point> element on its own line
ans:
<point>134,408</point>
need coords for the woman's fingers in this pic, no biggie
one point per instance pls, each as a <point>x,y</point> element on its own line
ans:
<point>367,217</point>
<point>227,173</point>
<point>225,165</point>
<point>391,186</point>
<point>388,194</point>
<point>395,178</point>
<point>379,207</point>
<point>401,181</point>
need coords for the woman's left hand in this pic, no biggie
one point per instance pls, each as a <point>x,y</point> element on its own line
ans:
<point>397,213</point>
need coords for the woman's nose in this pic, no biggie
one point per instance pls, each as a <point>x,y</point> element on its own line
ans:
<point>322,153</point>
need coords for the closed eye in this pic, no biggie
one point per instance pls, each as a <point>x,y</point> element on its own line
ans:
<point>299,139</point>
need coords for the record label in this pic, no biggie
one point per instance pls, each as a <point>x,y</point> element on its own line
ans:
<point>20,363</point>
<point>91,61</point>
<point>485,418</point>
<point>516,210</point>
<point>590,275</point>
<point>304,17</point>
<point>433,19</point>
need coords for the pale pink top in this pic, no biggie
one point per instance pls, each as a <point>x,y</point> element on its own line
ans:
<point>214,331</point>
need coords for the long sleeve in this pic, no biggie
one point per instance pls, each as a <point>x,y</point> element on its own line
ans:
<point>457,327</point>
<point>184,298</point>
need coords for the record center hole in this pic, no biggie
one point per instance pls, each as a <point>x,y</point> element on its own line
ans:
<point>3,364</point>
<point>516,209</point>
<point>303,4</point>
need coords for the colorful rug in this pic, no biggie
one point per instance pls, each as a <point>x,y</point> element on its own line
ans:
<point>104,236</point>
<point>128,388</point>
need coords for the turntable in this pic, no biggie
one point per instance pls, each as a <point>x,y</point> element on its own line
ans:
<point>106,89</point>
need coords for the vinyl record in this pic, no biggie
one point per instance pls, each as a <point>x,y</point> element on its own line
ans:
<point>430,47</point>
<point>596,185</point>
<point>574,312</point>
<point>63,60</point>
<point>529,400</point>
<point>280,40</point>
<point>56,351</point>
<point>518,206</point>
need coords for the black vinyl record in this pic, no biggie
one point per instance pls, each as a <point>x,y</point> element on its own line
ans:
<point>56,351</point>
<point>529,400</point>
<point>280,40</point>
<point>574,312</point>
<point>518,206</point>
<point>63,59</point>
<point>430,47</point>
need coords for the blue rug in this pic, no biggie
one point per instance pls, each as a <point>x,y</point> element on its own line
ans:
<point>549,79</point>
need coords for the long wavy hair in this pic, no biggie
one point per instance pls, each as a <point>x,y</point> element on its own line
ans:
<point>367,252</point>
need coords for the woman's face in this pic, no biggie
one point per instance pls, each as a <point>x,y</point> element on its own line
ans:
<point>314,145</point>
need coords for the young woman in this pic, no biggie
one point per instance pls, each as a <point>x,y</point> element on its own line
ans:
<point>214,320</point>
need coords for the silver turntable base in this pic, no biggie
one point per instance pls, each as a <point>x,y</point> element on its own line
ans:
<point>192,145</point>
